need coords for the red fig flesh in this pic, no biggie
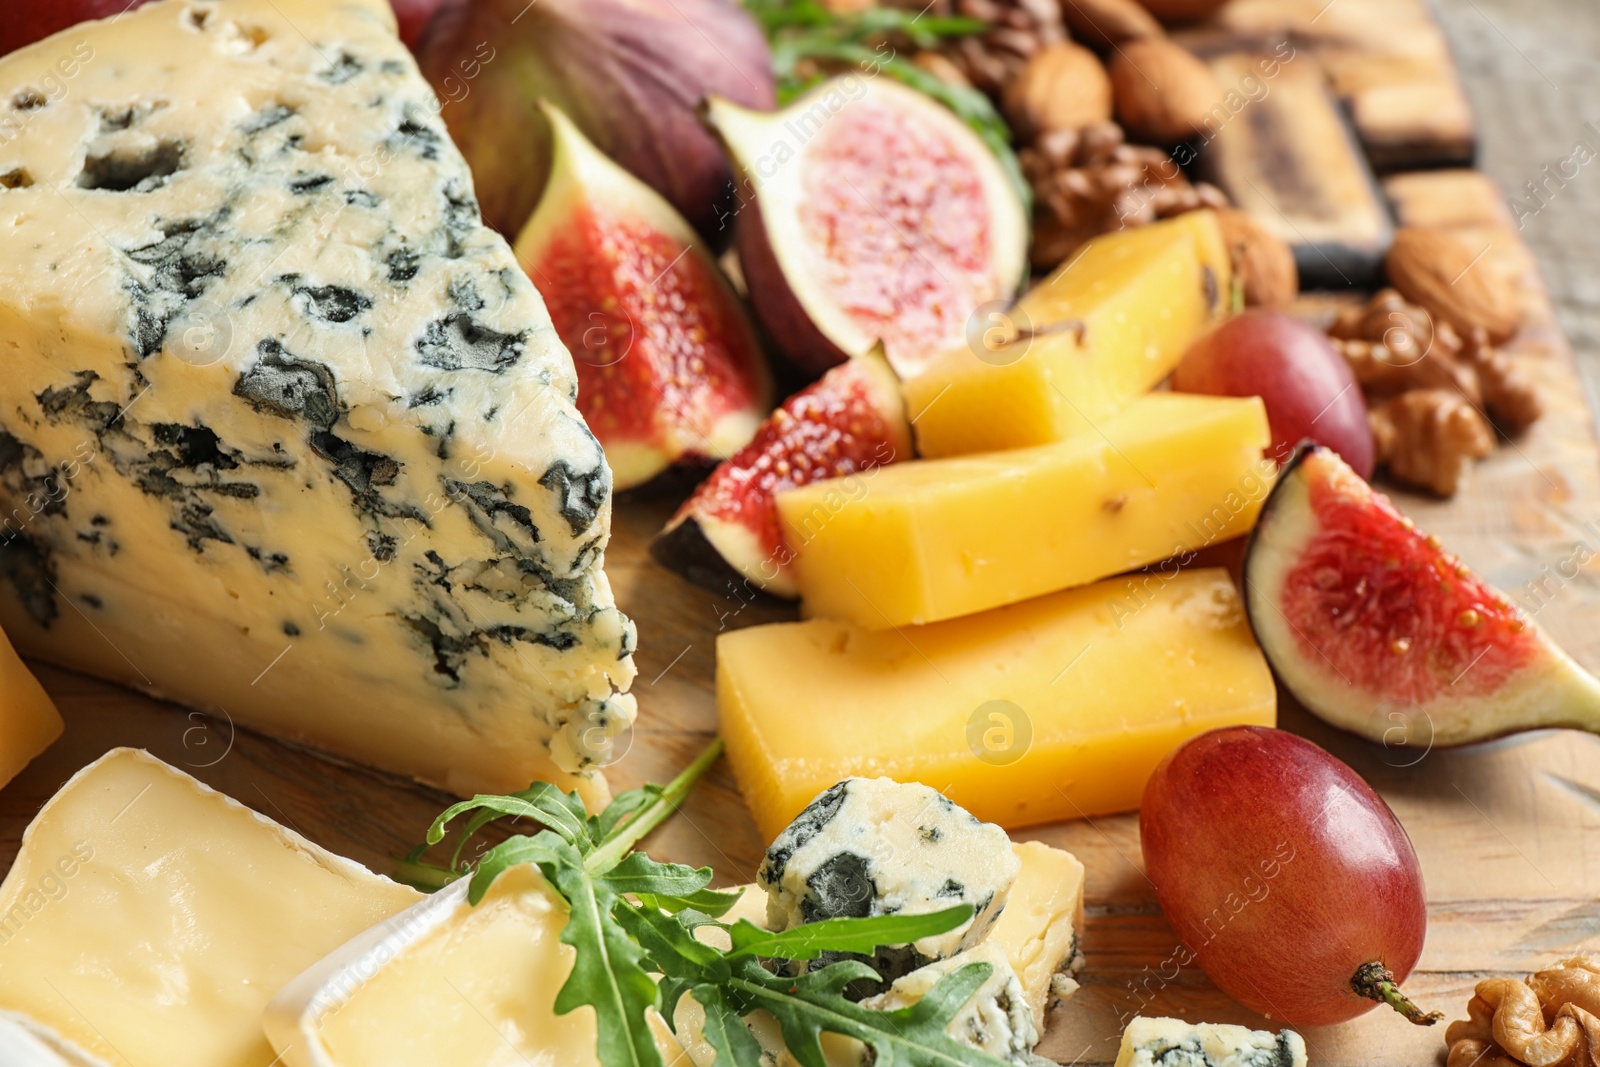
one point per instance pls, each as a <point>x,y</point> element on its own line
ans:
<point>630,74</point>
<point>869,213</point>
<point>668,367</point>
<point>1377,629</point>
<point>851,420</point>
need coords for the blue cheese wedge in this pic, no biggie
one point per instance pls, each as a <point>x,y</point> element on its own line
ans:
<point>285,432</point>
<point>874,846</point>
<point>1175,1043</point>
<point>997,1018</point>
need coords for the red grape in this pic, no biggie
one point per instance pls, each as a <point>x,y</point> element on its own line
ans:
<point>1306,384</point>
<point>1284,874</point>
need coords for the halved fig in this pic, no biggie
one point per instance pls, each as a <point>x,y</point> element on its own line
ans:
<point>850,421</point>
<point>1374,627</point>
<point>868,212</point>
<point>669,368</point>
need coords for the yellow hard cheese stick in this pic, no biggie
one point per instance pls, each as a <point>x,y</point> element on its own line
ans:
<point>29,721</point>
<point>1109,325</point>
<point>917,542</point>
<point>1056,708</point>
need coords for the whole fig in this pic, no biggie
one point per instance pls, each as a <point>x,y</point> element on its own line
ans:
<point>630,74</point>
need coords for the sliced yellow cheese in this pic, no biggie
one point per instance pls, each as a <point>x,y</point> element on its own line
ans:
<point>1043,920</point>
<point>1056,708</point>
<point>1107,326</point>
<point>148,918</point>
<point>937,539</point>
<point>447,984</point>
<point>29,721</point>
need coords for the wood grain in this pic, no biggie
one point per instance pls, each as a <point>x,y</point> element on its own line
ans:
<point>1287,156</point>
<point>1505,832</point>
<point>1387,61</point>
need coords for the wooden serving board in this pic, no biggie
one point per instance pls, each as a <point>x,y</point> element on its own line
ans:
<point>1387,61</point>
<point>1504,831</point>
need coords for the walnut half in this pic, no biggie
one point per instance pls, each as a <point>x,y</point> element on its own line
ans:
<point>1429,437</point>
<point>1552,1019</point>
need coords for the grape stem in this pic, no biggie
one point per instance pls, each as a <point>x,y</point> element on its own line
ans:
<point>1376,982</point>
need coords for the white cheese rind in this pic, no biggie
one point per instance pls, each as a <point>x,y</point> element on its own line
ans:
<point>874,846</point>
<point>24,1043</point>
<point>285,432</point>
<point>1175,1043</point>
<point>450,984</point>
<point>149,918</point>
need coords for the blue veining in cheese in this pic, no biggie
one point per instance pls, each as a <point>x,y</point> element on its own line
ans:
<point>1175,1043</point>
<point>285,432</point>
<point>874,846</point>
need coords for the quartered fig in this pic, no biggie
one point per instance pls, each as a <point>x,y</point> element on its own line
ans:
<point>669,369</point>
<point>868,212</point>
<point>850,421</point>
<point>1373,626</point>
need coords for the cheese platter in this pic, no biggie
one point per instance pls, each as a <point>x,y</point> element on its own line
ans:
<point>358,480</point>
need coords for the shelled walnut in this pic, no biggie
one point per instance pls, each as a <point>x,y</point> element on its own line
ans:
<point>1090,181</point>
<point>1018,29</point>
<point>1509,394</point>
<point>1429,438</point>
<point>1551,1019</point>
<point>1436,400</point>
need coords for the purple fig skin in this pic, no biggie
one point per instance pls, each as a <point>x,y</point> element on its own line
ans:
<point>779,311</point>
<point>629,73</point>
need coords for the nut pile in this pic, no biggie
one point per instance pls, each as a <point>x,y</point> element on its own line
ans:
<point>1019,29</point>
<point>1550,1019</point>
<point>1077,81</point>
<point>1089,181</point>
<point>1436,399</point>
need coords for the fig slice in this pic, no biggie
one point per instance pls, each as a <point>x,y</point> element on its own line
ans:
<point>869,212</point>
<point>1375,628</point>
<point>669,368</point>
<point>850,421</point>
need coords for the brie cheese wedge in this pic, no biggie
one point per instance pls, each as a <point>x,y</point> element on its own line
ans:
<point>448,984</point>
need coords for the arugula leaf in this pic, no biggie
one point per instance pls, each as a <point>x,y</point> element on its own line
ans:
<point>730,985</point>
<point>813,1004</point>
<point>635,955</point>
<point>713,903</point>
<point>618,836</point>
<point>724,1028</point>
<point>413,871</point>
<point>673,948</point>
<point>542,802</point>
<point>810,940</point>
<point>608,971</point>
<point>622,807</point>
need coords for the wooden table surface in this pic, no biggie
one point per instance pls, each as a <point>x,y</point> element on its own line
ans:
<point>1503,831</point>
